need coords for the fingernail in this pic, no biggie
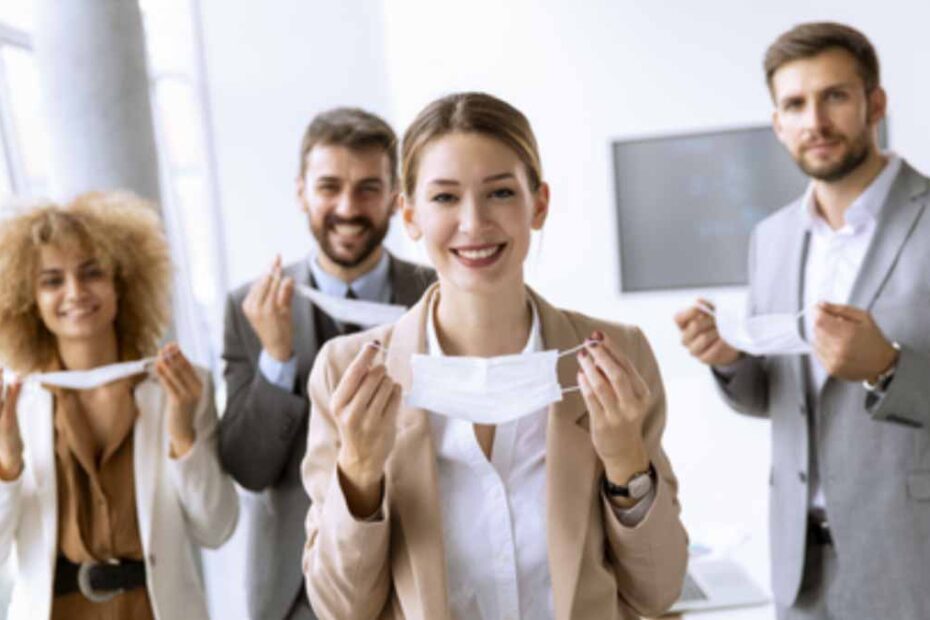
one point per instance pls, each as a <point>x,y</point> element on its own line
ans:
<point>598,335</point>
<point>582,353</point>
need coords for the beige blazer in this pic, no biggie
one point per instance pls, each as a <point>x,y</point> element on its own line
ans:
<point>394,568</point>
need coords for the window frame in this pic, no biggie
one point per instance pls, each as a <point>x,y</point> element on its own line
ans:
<point>9,138</point>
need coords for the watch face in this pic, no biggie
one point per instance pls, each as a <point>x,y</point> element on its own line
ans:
<point>640,486</point>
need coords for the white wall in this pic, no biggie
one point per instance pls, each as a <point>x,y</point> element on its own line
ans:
<point>585,73</point>
<point>271,66</point>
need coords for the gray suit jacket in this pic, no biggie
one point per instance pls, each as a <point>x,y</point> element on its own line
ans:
<point>873,454</point>
<point>263,436</point>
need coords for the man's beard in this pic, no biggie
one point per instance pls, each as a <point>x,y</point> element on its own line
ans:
<point>857,153</point>
<point>375,235</point>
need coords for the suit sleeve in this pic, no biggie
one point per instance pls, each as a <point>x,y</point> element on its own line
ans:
<point>744,384</point>
<point>262,420</point>
<point>907,398</point>
<point>649,560</point>
<point>346,561</point>
<point>206,493</point>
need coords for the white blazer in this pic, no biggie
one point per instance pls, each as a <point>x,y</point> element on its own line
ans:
<point>179,503</point>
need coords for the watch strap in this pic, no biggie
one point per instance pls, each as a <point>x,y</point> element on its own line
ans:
<point>629,489</point>
<point>883,380</point>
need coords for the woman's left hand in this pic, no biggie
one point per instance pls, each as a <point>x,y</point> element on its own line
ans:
<point>618,399</point>
<point>184,388</point>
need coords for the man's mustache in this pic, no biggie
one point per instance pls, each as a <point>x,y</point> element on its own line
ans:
<point>332,221</point>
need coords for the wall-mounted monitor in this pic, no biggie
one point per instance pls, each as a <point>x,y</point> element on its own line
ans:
<point>687,203</point>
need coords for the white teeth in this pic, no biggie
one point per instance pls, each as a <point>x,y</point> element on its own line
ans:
<point>478,254</point>
<point>348,229</point>
<point>79,312</point>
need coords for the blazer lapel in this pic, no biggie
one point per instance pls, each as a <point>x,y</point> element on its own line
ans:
<point>413,473</point>
<point>305,340</point>
<point>571,465</point>
<point>795,242</point>
<point>148,437</point>
<point>895,223</point>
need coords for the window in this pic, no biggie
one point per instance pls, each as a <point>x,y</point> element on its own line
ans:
<point>189,194</point>
<point>23,140</point>
<point>188,191</point>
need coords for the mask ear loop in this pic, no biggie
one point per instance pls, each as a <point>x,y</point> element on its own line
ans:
<point>573,350</point>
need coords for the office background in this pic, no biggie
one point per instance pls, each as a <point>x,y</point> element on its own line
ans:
<point>239,80</point>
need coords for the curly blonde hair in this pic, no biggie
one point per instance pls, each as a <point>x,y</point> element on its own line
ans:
<point>120,230</point>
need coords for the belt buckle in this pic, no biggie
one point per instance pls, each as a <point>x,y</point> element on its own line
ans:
<point>85,587</point>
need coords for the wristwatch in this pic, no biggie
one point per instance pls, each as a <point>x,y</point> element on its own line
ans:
<point>883,380</point>
<point>637,487</point>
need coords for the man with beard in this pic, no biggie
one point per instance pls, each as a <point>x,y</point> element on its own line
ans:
<point>347,186</point>
<point>850,480</point>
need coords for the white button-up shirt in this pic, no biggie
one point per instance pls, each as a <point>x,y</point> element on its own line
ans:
<point>494,511</point>
<point>834,258</point>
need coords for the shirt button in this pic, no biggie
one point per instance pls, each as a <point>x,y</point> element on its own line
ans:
<point>802,408</point>
<point>802,476</point>
<point>152,560</point>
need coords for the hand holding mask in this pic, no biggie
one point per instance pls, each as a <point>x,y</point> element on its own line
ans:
<point>267,306</point>
<point>618,400</point>
<point>700,336</point>
<point>365,406</point>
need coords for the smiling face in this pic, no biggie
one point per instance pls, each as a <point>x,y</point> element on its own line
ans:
<point>474,208</point>
<point>349,197</point>
<point>824,116</point>
<point>74,293</point>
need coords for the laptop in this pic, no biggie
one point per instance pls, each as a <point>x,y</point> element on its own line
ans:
<point>717,583</point>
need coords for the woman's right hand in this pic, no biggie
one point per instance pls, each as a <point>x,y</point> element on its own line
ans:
<point>365,406</point>
<point>11,442</point>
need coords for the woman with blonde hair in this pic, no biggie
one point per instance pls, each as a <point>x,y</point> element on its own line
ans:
<point>504,460</point>
<point>108,475</point>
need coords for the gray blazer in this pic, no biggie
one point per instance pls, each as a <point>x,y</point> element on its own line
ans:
<point>263,437</point>
<point>873,454</point>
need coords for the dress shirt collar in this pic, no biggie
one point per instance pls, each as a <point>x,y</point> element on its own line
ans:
<point>374,285</point>
<point>533,343</point>
<point>864,209</point>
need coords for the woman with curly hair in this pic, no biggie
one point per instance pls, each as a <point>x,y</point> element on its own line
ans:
<point>105,485</point>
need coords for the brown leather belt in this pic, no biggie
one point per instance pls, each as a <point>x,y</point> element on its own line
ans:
<point>98,582</point>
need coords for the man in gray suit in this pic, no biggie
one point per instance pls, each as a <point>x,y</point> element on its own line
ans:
<point>850,482</point>
<point>347,186</point>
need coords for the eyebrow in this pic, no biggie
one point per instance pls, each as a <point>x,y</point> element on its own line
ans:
<point>336,179</point>
<point>489,179</point>
<point>54,270</point>
<point>829,87</point>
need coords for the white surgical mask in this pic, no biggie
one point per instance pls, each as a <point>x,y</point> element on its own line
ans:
<point>486,390</point>
<point>357,311</point>
<point>89,379</point>
<point>763,334</point>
